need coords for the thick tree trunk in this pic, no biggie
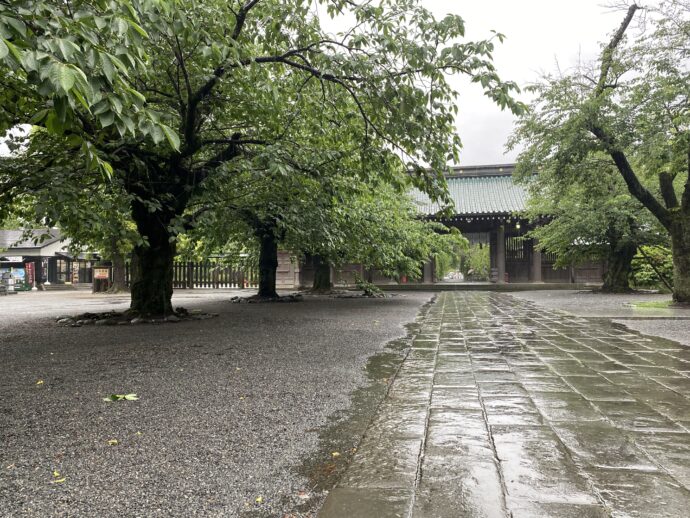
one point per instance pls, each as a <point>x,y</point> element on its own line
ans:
<point>152,276</point>
<point>322,275</point>
<point>119,275</point>
<point>268,264</point>
<point>152,263</point>
<point>619,267</point>
<point>680,246</point>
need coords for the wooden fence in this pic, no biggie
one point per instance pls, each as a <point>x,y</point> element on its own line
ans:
<point>209,275</point>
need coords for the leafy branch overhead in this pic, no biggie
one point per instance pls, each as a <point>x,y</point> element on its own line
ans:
<point>171,99</point>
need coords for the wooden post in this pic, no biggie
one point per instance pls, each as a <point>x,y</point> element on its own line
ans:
<point>501,254</point>
<point>535,263</point>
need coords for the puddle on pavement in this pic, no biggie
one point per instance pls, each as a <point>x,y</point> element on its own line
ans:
<point>345,428</point>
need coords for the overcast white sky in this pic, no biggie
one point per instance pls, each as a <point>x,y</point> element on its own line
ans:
<point>539,34</point>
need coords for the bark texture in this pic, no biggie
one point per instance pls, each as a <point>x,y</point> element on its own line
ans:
<point>152,263</point>
<point>680,244</point>
<point>268,264</point>
<point>619,266</point>
<point>322,275</point>
<point>119,274</point>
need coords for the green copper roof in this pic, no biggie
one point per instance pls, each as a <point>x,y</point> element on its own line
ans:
<point>496,194</point>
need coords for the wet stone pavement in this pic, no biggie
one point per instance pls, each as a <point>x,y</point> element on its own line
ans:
<point>503,408</point>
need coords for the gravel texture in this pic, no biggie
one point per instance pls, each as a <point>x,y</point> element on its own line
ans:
<point>676,330</point>
<point>604,305</point>
<point>671,323</point>
<point>228,407</point>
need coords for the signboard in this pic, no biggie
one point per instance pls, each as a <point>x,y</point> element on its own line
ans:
<point>30,274</point>
<point>101,273</point>
<point>75,272</point>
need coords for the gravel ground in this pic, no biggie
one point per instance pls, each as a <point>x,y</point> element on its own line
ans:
<point>604,305</point>
<point>677,330</point>
<point>228,408</point>
<point>670,323</point>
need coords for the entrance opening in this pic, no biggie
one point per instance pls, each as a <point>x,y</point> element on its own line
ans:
<point>471,264</point>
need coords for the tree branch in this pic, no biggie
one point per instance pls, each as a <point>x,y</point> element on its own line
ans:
<point>619,157</point>
<point>634,186</point>
<point>607,55</point>
<point>668,193</point>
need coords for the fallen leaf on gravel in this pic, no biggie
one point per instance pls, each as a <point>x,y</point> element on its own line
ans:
<point>138,433</point>
<point>303,495</point>
<point>259,499</point>
<point>335,454</point>
<point>113,442</point>
<point>39,382</point>
<point>57,479</point>
<point>121,397</point>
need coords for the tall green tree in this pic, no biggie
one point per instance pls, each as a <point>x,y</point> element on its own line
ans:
<point>583,212</point>
<point>631,106</point>
<point>170,95</point>
<point>373,225</point>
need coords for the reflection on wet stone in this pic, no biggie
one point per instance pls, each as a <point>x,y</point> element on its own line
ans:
<point>503,408</point>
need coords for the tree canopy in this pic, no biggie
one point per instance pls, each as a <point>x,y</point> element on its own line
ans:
<point>632,108</point>
<point>168,98</point>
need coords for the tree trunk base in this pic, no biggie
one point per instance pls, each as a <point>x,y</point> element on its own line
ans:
<point>152,276</point>
<point>619,269</point>
<point>259,299</point>
<point>115,289</point>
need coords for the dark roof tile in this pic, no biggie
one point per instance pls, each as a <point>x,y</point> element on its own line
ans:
<point>478,195</point>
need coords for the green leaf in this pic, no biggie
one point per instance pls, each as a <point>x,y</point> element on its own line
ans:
<point>157,134</point>
<point>116,104</point>
<point>29,62</point>
<point>13,50</point>
<point>18,25</point>
<point>53,123</point>
<point>108,170</point>
<point>67,48</point>
<point>108,68</point>
<point>79,97</point>
<point>106,118</point>
<point>4,50</point>
<point>129,123</point>
<point>62,76</point>
<point>137,28</point>
<point>173,138</point>
<point>136,94</point>
<point>39,116</point>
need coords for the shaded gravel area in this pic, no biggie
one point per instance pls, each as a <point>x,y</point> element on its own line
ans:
<point>604,305</point>
<point>228,409</point>
<point>676,330</point>
<point>671,323</point>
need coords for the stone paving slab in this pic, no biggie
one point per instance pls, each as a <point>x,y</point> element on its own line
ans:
<point>504,408</point>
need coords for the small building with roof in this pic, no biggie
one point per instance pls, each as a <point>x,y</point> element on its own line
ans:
<point>41,257</point>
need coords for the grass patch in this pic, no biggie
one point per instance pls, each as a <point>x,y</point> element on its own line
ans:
<point>657,304</point>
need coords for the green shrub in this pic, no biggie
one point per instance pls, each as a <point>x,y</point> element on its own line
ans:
<point>644,275</point>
